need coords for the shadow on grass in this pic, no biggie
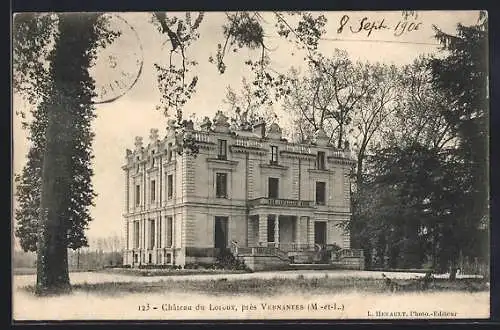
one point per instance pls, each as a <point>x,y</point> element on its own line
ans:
<point>274,286</point>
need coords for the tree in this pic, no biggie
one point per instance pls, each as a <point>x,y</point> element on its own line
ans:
<point>60,156</point>
<point>81,192</point>
<point>418,116</point>
<point>410,190</point>
<point>373,109</point>
<point>427,181</point>
<point>177,81</point>
<point>244,110</point>
<point>462,77</point>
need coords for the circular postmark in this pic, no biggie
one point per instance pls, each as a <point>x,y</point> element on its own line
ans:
<point>118,65</point>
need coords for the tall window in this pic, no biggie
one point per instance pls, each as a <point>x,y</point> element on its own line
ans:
<point>221,185</point>
<point>274,155</point>
<point>169,231</point>
<point>320,160</point>
<point>153,158</point>
<point>222,149</point>
<point>136,234</point>
<point>153,190</point>
<point>169,152</point>
<point>273,187</point>
<point>137,195</point>
<point>152,233</point>
<point>320,193</point>
<point>170,186</point>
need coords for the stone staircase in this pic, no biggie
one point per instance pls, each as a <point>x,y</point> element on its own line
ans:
<point>262,258</point>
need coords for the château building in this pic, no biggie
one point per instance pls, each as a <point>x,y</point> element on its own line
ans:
<point>250,191</point>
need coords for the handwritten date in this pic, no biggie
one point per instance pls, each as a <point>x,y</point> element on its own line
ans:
<point>368,26</point>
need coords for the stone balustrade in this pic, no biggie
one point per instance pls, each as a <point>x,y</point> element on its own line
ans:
<point>280,202</point>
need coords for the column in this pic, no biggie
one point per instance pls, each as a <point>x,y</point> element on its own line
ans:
<point>158,238</point>
<point>262,228</point>
<point>276,230</point>
<point>127,234</point>
<point>302,230</point>
<point>310,231</point>
<point>250,233</point>
<point>296,230</point>
<point>127,191</point>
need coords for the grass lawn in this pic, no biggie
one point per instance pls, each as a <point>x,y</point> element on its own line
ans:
<point>168,272</point>
<point>273,286</point>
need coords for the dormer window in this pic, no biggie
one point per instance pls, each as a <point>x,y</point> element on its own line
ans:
<point>222,149</point>
<point>274,155</point>
<point>320,160</point>
<point>169,152</point>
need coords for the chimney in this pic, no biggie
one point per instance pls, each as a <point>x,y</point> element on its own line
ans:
<point>138,142</point>
<point>260,128</point>
<point>206,124</point>
<point>153,135</point>
<point>189,125</point>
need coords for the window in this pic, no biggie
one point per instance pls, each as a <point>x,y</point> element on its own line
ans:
<point>153,158</point>
<point>136,258</point>
<point>151,234</point>
<point>168,258</point>
<point>169,231</point>
<point>320,160</point>
<point>136,234</point>
<point>274,155</point>
<point>137,195</point>
<point>320,193</point>
<point>150,258</point>
<point>170,186</point>
<point>153,191</point>
<point>169,152</point>
<point>273,187</point>
<point>221,185</point>
<point>222,150</point>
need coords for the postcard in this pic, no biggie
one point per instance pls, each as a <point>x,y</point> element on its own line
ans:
<point>250,165</point>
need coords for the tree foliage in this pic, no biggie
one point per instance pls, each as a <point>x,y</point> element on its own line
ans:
<point>462,77</point>
<point>81,193</point>
<point>427,181</point>
<point>244,110</point>
<point>55,189</point>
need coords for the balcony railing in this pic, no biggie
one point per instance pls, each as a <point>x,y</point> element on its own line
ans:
<point>297,148</point>
<point>248,143</point>
<point>295,247</point>
<point>262,251</point>
<point>202,137</point>
<point>279,202</point>
<point>341,154</point>
<point>349,253</point>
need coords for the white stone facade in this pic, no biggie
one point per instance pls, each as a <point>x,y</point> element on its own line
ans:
<point>252,188</point>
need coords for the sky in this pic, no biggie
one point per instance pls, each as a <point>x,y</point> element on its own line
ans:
<point>134,113</point>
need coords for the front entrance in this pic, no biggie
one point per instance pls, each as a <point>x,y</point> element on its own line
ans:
<point>220,232</point>
<point>320,232</point>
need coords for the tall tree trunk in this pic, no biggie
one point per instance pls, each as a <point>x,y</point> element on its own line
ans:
<point>52,252</point>
<point>69,91</point>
